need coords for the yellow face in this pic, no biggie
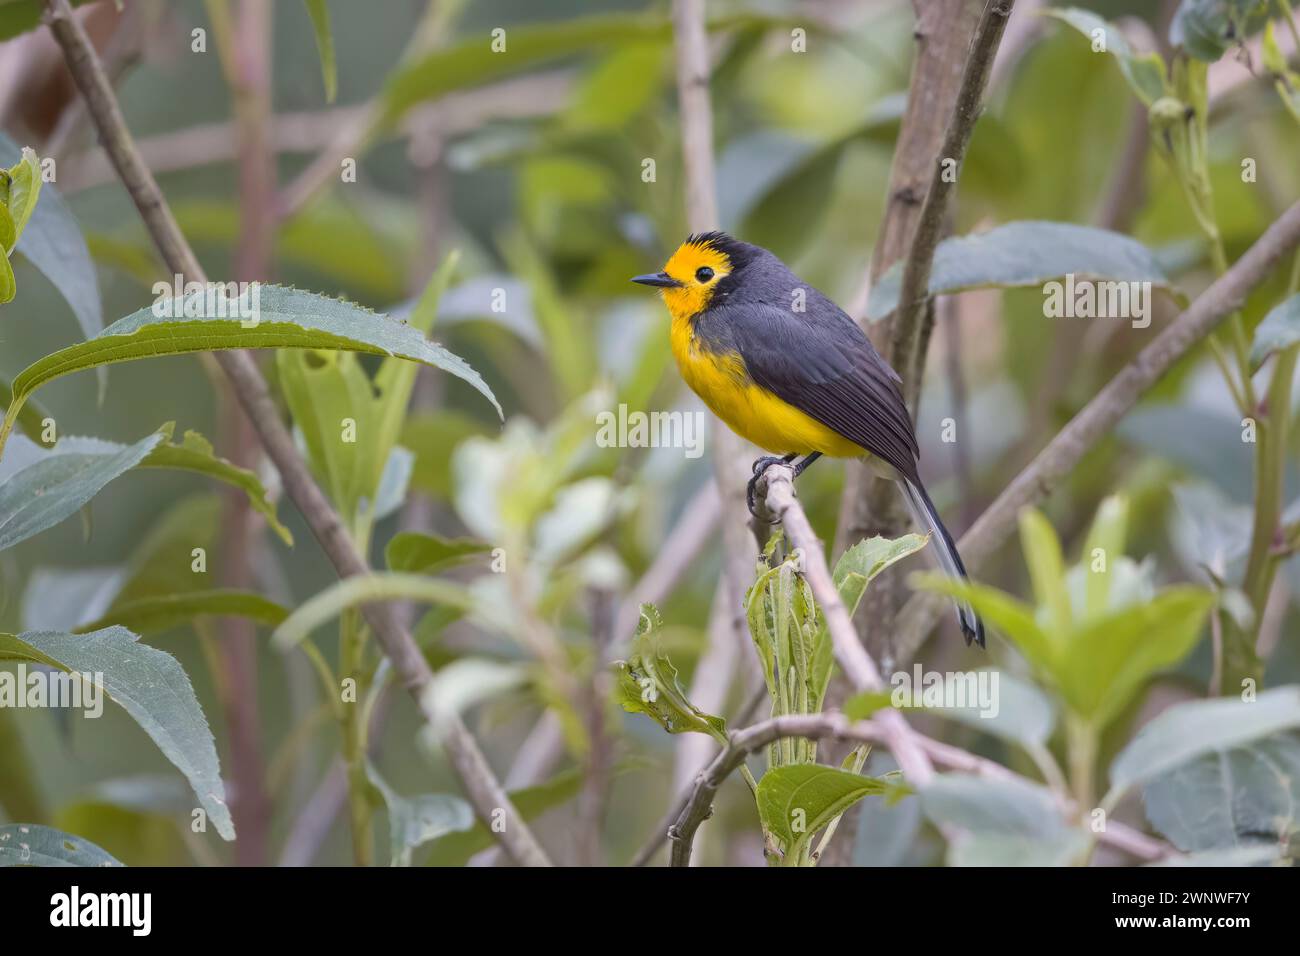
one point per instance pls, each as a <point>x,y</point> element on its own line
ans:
<point>696,269</point>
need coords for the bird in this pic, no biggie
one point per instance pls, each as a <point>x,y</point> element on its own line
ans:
<point>788,370</point>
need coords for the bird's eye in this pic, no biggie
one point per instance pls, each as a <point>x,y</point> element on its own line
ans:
<point>703,274</point>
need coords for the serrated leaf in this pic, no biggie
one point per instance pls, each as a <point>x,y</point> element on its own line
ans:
<point>195,453</point>
<point>287,318</point>
<point>1027,253</point>
<point>796,801</point>
<point>1188,730</point>
<point>1278,330</point>
<point>27,844</point>
<point>151,686</point>
<point>427,553</point>
<point>648,684</point>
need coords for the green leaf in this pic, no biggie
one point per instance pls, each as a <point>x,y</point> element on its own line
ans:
<point>61,481</point>
<point>1009,822</point>
<point>414,821</point>
<point>149,685</point>
<point>1209,28</point>
<point>366,589</point>
<point>195,454</point>
<point>27,844</point>
<point>20,194</point>
<point>326,393</point>
<point>619,88</point>
<point>1024,714</point>
<point>428,553</point>
<point>1278,330</point>
<point>1188,730</point>
<point>151,615</point>
<point>1012,617</point>
<point>320,24</point>
<point>1046,566</point>
<point>1145,72</point>
<point>796,801</point>
<point>54,244</point>
<point>648,684</point>
<point>1105,544</point>
<point>857,567</point>
<point>1026,254</point>
<point>455,849</point>
<point>1108,662</point>
<point>286,318</point>
<point>8,235</point>
<point>8,285</point>
<point>19,16</point>
<point>1228,798</point>
<point>472,61</point>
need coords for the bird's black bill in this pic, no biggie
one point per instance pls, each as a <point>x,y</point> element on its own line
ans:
<point>660,279</point>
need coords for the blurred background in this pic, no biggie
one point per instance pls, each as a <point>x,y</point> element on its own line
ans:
<point>534,171</point>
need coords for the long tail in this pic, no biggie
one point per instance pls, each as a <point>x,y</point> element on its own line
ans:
<point>925,515</point>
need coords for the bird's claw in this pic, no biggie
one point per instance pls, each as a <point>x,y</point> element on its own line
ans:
<point>751,490</point>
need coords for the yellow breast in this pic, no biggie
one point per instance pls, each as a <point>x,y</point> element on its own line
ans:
<point>753,413</point>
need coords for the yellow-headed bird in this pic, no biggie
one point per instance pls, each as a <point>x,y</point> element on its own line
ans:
<point>787,369</point>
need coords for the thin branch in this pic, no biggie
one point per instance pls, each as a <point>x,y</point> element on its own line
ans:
<point>1100,415</point>
<point>205,144</point>
<point>659,835</point>
<point>482,787</point>
<point>699,804</point>
<point>909,327</point>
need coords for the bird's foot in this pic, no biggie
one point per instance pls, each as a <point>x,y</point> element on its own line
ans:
<point>751,490</point>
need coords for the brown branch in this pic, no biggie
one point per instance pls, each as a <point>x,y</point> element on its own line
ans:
<point>698,805</point>
<point>853,659</point>
<point>910,326</point>
<point>482,787</point>
<point>1100,415</point>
